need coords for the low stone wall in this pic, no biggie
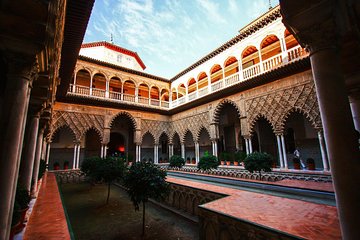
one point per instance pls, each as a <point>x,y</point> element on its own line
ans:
<point>217,226</point>
<point>188,199</point>
<point>69,176</point>
<point>267,176</point>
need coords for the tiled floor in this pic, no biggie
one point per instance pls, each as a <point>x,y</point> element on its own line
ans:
<point>328,187</point>
<point>303,219</point>
<point>47,220</point>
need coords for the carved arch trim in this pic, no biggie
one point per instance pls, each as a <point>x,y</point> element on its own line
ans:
<point>220,106</point>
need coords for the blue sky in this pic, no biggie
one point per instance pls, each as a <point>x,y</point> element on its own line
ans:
<point>170,35</point>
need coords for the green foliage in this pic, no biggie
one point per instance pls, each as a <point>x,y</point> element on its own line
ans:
<point>224,156</point>
<point>208,162</point>
<point>145,180</point>
<point>240,156</point>
<point>89,167</point>
<point>42,169</point>
<point>106,170</point>
<point>22,196</point>
<point>177,161</point>
<point>16,214</point>
<point>258,161</point>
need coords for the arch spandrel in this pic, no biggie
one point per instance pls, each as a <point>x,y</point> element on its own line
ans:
<point>278,105</point>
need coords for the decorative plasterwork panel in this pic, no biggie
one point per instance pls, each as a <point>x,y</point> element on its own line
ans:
<point>193,124</point>
<point>155,128</point>
<point>277,106</point>
<point>79,123</point>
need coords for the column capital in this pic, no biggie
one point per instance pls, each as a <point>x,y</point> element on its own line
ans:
<point>22,64</point>
<point>279,133</point>
<point>246,136</point>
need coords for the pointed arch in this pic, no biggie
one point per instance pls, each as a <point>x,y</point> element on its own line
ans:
<point>314,120</point>
<point>61,127</point>
<point>198,133</point>
<point>126,114</point>
<point>148,133</point>
<point>256,118</point>
<point>98,131</point>
<point>219,107</point>
<point>185,133</point>
<point>162,134</point>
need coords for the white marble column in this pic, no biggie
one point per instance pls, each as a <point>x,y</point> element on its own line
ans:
<point>280,152</point>
<point>250,146</point>
<point>284,151</point>
<point>183,150</point>
<point>105,151</point>
<point>75,156</point>
<point>171,150</point>
<point>323,151</point>
<point>78,156</point>
<point>102,151</point>
<point>214,148</point>
<point>197,152</point>
<point>139,153</point>
<point>156,153</point>
<point>247,146</point>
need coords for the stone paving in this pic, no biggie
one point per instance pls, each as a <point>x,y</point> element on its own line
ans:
<point>299,218</point>
<point>323,186</point>
<point>47,220</point>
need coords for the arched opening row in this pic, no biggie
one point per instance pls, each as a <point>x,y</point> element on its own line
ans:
<point>300,146</point>
<point>114,88</point>
<point>272,52</point>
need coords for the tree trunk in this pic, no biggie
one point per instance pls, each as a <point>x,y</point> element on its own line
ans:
<point>143,225</point>
<point>108,196</point>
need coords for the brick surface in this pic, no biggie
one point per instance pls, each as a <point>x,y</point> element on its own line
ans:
<point>328,187</point>
<point>299,218</point>
<point>47,220</point>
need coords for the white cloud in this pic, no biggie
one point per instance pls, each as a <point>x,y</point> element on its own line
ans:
<point>169,35</point>
<point>233,7</point>
<point>256,8</point>
<point>211,9</point>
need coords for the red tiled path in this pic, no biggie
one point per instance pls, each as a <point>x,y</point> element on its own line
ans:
<point>323,186</point>
<point>47,220</point>
<point>299,218</point>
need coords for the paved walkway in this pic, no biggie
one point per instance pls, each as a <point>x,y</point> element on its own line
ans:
<point>322,186</point>
<point>47,220</point>
<point>304,219</point>
<point>299,218</point>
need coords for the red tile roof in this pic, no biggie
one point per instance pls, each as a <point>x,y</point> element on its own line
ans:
<point>115,48</point>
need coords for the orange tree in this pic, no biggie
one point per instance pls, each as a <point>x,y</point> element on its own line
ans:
<point>145,180</point>
<point>258,161</point>
<point>104,170</point>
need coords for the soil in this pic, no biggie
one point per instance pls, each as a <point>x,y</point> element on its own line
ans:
<point>91,218</point>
